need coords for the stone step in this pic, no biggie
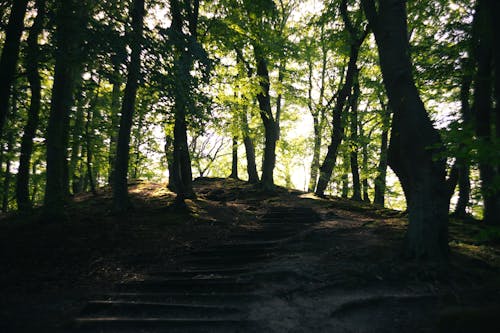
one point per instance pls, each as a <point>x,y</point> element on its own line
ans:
<point>124,324</point>
<point>186,298</point>
<point>139,309</point>
<point>216,285</point>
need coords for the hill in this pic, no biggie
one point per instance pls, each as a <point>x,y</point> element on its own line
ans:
<point>340,270</point>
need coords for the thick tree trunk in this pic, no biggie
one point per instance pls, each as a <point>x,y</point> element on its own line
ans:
<point>270,124</point>
<point>183,176</point>
<point>121,202</point>
<point>71,18</point>
<point>32,64</point>
<point>422,176</point>
<point>10,55</point>
<point>380,180</point>
<point>253,176</point>
<point>483,93</point>
<point>234,162</point>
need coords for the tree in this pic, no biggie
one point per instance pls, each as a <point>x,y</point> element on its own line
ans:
<point>121,201</point>
<point>487,90</point>
<point>356,38</point>
<point>10,55</point>
<point>71,21</point>
<point>32,59</point>
<point>414,141</point>
<point>184,15</point>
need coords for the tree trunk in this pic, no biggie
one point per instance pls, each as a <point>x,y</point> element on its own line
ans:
<point>71,18</point>
<point>234,162</point>
<point>345,177</point>
<point>115,109</point>
<point>137,144</point>
<point>10,55</point>
<point>356,40</point>
<point>353,103</point>
<point>121,202</point>
<point>7,174</point>
<point>483,93</point>
<point>422,176</point>
<point>169,155</point>
<point>337,134</point>
<point>364,151</point>
<point>32,67</point>
<point>183,63</point>
<point>89,128</point>
<point>74,174</point>
<point>270,124</point>
<point>380,180</point>
<point>463,162</point>
<point>316,152</point>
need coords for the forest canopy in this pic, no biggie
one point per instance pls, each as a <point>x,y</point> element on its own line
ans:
<point>383,101</point>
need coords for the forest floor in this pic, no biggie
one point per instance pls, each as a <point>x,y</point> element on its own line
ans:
<point>351,274</point>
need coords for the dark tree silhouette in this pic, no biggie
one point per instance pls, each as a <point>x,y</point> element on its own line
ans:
<point>121,202</point>
<point>10,55</point>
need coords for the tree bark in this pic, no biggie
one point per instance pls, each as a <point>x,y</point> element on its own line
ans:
<point>413,139</point>
<point>270,123</point>
<point>485,91</point>
<point>380,180</point>
<point>10,56</point>
<point>121,201</point>
<point>253,176</point>
<point>354,145</point>
<point>364,166</point>
<point>71,18</point>
<point>32,72</point>
<point>234,162</point>
<point>463,162</point>
<point>7,174</point>
<point>181,168</point>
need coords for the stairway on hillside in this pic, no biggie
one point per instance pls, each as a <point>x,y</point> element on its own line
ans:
<point>214,289</point>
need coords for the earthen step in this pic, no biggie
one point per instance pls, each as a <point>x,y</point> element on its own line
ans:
<point>186,298</point>
<point>219,285</point>
<point>203,273</point>
<point>226,260</point>
<point>138,309</point>
<point>125,324</point>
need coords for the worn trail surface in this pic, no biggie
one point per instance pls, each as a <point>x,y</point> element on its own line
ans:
<point>215,289</point>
